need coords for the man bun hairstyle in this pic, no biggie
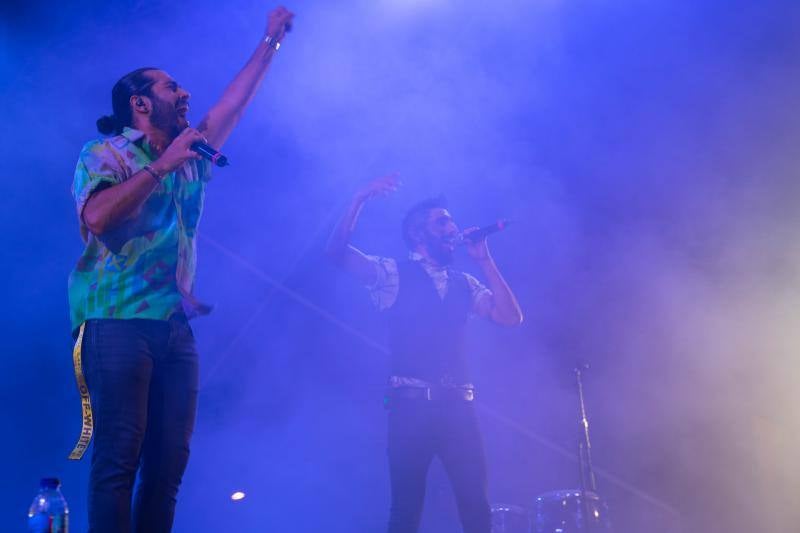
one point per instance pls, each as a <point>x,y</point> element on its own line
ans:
<point>417,216</point>
<point>137,82</point>
<point>106,124</point>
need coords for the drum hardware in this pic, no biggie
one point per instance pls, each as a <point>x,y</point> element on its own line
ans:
<point>575,510</point>
<point>510,519</point>
<point>563,511</point>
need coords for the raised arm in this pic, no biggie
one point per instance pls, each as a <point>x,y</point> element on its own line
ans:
<point>339,249</point>
<point>504,307</point>
<point>218,124</point>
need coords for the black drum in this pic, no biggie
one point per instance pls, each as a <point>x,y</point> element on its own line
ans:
<point>563,511</point>
<point>510,519</point>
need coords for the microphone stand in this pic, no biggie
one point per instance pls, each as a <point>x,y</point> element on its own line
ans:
<point>588,480</point>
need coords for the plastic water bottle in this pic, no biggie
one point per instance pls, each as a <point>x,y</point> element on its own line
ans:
<point>49,512</point>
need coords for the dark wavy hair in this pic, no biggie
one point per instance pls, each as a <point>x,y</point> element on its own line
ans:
<point>417,216</point>
<point>131,84</point>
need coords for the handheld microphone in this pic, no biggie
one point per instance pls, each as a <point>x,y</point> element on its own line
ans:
<point>481,233</point>
<point>209,153</point>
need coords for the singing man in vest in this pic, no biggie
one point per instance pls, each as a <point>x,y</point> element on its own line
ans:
<point>430,395</point>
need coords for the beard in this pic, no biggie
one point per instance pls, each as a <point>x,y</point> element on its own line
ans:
<point>439,249</point>
<point>166,118</point>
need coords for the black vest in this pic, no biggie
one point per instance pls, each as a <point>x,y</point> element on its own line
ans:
<point>426,333</point>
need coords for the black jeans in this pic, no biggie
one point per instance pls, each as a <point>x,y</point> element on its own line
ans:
<point>143,381</point>
<point>419,430</point>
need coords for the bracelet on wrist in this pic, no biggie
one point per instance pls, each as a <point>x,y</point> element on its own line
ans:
<point>272,42</point>
<point>156,176</point>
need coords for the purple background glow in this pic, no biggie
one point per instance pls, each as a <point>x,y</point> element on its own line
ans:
<point>647,151</point>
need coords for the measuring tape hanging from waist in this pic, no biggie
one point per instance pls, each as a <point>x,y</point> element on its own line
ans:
<point>86,404</point>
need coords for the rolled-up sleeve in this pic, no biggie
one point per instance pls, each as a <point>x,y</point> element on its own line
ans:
<point>387,282</point>
<point>96,168</point>
<point>482,301</point>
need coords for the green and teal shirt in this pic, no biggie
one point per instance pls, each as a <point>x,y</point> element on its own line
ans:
<point>145,267</point>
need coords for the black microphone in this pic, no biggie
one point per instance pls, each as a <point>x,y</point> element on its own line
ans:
<point>209,153</point>
<point>481,233</point>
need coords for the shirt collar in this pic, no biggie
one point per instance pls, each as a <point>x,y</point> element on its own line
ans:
<point>416,256</point>
<point>131,134</point>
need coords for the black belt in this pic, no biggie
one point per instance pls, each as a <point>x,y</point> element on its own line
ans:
<point>431,393</point>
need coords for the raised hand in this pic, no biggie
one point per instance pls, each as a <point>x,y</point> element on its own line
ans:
<point>279,21</point>
<point>339,248</point>
<point>383,186</point>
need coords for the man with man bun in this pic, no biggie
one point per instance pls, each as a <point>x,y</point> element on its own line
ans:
<point>139,196</point>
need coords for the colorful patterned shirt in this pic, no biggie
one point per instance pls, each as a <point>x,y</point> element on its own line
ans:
<point>143,268</point>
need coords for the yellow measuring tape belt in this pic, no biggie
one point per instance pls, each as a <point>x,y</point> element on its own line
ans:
<point>86,403</point>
